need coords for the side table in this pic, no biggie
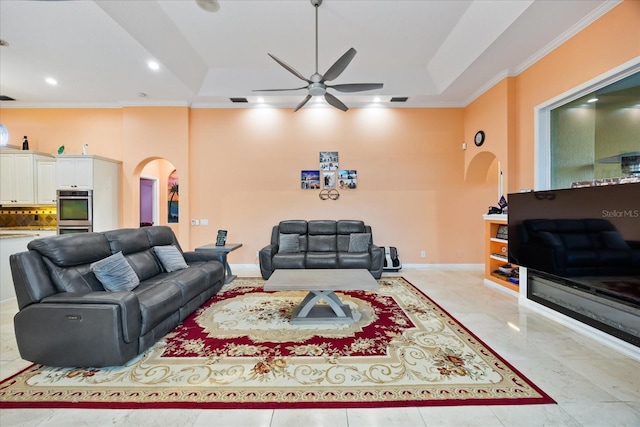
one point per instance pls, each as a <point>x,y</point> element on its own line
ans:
<point>222,250</point>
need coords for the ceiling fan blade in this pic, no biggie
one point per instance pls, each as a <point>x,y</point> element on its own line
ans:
<point>338,67</point>
<point>304,101</point>
<point>278,90</point>
<point>290,69</point>
<point>332,100</point>
<point>356,87</point>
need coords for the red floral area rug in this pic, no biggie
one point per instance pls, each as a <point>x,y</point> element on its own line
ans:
<point>239,350</point>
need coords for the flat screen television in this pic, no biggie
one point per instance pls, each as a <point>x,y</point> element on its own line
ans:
<point>618,205</point>
<point>581,247</point>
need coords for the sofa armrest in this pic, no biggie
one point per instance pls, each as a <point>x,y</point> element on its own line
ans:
<point>265,257</point>
<point>195,256</point>
<point>126,301</point>
<point>377,260</point>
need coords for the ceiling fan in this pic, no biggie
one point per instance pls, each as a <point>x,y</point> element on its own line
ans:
<point>317,85</point>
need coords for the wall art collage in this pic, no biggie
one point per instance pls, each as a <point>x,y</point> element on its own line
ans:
<point>329,176</point>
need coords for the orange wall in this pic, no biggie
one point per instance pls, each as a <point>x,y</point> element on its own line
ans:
<point>245,176</point>
<point>240,168</point>
<point>49,128</point>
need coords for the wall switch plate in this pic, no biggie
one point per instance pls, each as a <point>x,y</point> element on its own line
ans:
<point>204,222</point>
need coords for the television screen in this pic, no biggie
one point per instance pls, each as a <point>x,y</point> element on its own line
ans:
<point>577,232</point>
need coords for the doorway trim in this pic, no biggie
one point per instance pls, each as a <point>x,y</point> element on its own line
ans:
<point>155,191</point>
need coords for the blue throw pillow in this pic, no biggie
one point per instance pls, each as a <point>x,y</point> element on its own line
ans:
<point>170,258</point>
<point>115,273</point>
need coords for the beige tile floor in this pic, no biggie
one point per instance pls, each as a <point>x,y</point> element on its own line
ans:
<point>593,384</point>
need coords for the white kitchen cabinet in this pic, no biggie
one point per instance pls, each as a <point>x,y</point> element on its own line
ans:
<point>75,172</point>
<point>46,181</point>
<point>19,179</point>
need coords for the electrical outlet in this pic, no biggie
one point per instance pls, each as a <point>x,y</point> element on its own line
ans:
<point>423,254</point>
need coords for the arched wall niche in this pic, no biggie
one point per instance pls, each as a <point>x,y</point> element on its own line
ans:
<point>482,169</point>
<point>160,169</point>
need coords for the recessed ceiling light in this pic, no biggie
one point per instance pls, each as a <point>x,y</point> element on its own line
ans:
<point>260,99</point>
<point>153,65</point>
<point>376,99</point>
<point>51,81</point>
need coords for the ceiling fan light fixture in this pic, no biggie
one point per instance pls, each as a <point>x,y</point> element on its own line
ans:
<point>317,84</point>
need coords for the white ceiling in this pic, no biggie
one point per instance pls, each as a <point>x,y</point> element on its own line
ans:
<point>437,53</point>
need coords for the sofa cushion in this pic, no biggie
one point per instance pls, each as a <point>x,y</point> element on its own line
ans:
<point>322,260</point>
<point>322,243</point>
<point>288,260</point>
<point>127,240</point>
<point>158,300</point>
<point>67,250</point>
<point>289,243</point>
<point>322,227</point>
<point>350,226</point>
<point>359,242</point>
<point>78,278</point>
<point>354,260</point>
<point>170,258</point>
<point>115,273</point>
<point>145,264</point>
<point>192,281</point>
<point>294,226</point>
<point>161,236</point>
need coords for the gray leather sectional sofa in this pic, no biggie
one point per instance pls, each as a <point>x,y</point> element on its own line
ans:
<point>68,318</point>
<point>321,244</point>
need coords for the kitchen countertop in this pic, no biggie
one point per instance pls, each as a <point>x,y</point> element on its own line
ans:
<point>28,227</point>
<point>18,232</point>
<point>14,236</point>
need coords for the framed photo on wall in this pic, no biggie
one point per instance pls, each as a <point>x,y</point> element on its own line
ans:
<point>310,180</point>
<point>328,160</point>
<point>347,179</point>
<point>328,180</point>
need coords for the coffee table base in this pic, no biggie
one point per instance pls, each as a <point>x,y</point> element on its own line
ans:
<point>334,312</point>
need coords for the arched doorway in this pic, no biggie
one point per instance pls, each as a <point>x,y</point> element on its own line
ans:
<point>157,174</point>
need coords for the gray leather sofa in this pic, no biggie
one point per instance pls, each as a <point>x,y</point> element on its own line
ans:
<point>299,244</point>
<point>67,318</point>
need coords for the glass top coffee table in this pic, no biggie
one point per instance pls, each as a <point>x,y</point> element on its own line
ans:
<point>322,284</point>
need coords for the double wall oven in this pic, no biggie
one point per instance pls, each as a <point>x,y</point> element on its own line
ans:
<point>75,211</point>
